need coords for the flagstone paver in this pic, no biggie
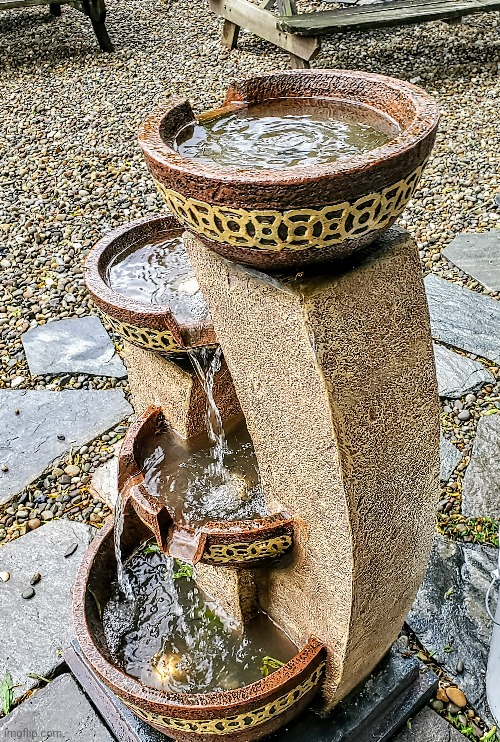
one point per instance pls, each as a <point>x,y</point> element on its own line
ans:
<point>450,456</point>
<point>478,255</point>
<point>458,375</point>
<point>481,483</point>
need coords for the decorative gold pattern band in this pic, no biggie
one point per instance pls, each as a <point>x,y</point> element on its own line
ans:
<point>250,551</point>
<point>236,722</point>
<point>295,229</point>
<point>159,341</point>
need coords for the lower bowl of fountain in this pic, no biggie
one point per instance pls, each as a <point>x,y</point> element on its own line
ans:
<point>142,311</point>
<point>256,541</point>
<point>310,210</point>
<point>246,713</point>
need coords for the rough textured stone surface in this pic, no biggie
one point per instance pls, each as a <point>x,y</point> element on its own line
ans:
<point>458,375</point>
<point>173,385</point>
<point>35,631</point>
<point>449,611</point>
<point>334,365</point>
<point>59,711</point>
<point>43,419</point>
<point>464,318</point>
<point>104,481</point>
<point>428,726</point>
<point>481,484</point>
<point>477,255</point>
<point>450,456</point>
<point>77,346</point>
<point>233,589</point>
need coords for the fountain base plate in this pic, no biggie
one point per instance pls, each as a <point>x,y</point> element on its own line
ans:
<point>374,712</point>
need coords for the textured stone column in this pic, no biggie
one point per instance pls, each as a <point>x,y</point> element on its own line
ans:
<point>335,375</point>
<point>174,386</point>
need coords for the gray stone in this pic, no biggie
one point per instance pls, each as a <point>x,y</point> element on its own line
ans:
<point>428,726</point>
<point>458,375</point>
<point>34,632</point>
<point>449,612</point>
<point>47,426</point>
<point>477,255</point>
<point>72,346</point>
<point>450,457</point>
<point>60,710</point>
<point>463,318</point>
<point>481,484</point>
<point>104,481</point>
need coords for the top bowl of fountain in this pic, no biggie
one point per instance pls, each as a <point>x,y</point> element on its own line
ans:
<point>141,279</point>
<point>298,167</point>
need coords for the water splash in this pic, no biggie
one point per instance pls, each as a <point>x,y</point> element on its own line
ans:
<point>207,363</point>
<point>123,580</point>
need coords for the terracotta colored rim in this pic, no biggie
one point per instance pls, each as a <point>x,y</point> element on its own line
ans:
<point>414,111</point>
<point>124,311</point>
<point>245,544</point>
<point>178,705</point>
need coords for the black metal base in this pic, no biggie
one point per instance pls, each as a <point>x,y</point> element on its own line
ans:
<point>374,712</point>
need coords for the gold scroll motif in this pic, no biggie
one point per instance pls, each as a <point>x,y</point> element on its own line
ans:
<point>235,722</point>
<point>294,229</point>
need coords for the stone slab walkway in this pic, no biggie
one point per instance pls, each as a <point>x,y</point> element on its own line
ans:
<point>76,346</point>
<point>481,483</point>
<point>458,375</point>
<point>463,318</point>
<point>60,711</point>
<point>450,458</point>
<point>428,726</point>
<point>34,632</point>
<point>46,425</point>
<point>449,617</point>
<point>478,255</point>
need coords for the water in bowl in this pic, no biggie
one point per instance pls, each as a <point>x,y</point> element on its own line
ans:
<point>184,475</point>
<point>174,637</point>
<point>159,272</point>
<point>286,132</point>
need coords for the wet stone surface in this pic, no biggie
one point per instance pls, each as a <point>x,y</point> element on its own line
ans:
<point>458,375</point>
<point>50,423</point>
<point>449,616</point>
<point>428,726</point>
<point>477,255</point>
<point>34,631</point>
<point>46,712</point>
<point>463,318</point>
<point>481,483</point>
<point>72,346</point>
<point>450,457</point>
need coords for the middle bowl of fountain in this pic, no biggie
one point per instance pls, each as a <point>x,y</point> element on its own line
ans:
<point>298,167</point>
<point>141,280</point>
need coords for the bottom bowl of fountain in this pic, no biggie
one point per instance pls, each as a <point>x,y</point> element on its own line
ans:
<point>248,712</point>
<point>140,279</point>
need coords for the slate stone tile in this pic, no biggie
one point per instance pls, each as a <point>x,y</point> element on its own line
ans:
<point>478,255</point>
<point>428,726</point>
<point>34,632</point>
<point>75,346</point>
<point>37,427</point>
<point>481,483</point>
<point>59,711</point>
<point>450,457</point>
<point>449,612</point>
<point>463,318</point>
<point>458,375</point>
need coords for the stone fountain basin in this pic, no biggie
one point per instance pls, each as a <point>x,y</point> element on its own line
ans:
<point>147,325</point>
<point>297,215</point>
<point>243,544</point>
<point>247,713</point>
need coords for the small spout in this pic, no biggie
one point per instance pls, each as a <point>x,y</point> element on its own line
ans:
<point>188,546</point>
<point>152,513</point>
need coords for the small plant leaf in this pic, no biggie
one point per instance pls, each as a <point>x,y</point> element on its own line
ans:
<point>184,570</point>
<point>151,549</point>
<point>268,664</point>
<point>6,696</point>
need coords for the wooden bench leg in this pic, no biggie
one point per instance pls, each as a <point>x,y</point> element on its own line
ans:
<point>55,9</point>
<point>230,32</point>
<point>101,32</point>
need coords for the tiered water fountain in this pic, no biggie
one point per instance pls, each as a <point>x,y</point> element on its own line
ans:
<point>271,554</point>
